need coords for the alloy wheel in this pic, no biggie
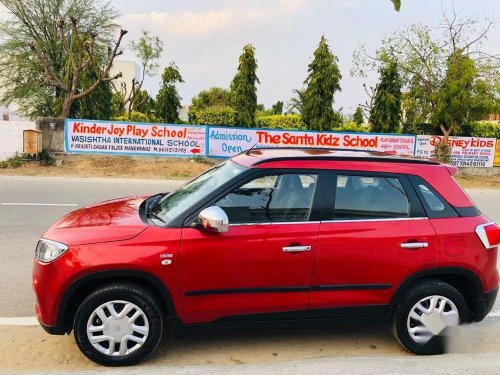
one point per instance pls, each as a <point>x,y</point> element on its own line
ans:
<point>430,317</point>
<point>117,328</point>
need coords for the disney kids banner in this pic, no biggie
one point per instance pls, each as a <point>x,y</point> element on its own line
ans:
<point>226,142</point>
<point>102,137</point>
<point>465,151</point>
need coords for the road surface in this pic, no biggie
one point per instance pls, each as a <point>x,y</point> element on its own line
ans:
<point>28,205</point>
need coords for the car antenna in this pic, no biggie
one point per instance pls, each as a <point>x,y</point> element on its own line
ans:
<point>251,148</point>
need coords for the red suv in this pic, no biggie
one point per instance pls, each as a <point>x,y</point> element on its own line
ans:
<point>272,235</point>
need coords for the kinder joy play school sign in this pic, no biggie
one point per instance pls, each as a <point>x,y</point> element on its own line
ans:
<point>226,142</point>
<point>104,137</point>
<point>85,136</point>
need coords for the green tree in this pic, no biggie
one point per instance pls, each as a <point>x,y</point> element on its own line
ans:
<point>358,117</point>
<point>168,101</point>
<point>213,97</point>
<point>244,88</point>
<point>98,105</point>
<point>321,84</point>
<point>144,103</point>
<point>397,4</point>
<point>385,115</point>
<point>462,97</point>
<point>148,50</point>
<point>48,47</point>
<point>425,57</point>
<point>277,108</point>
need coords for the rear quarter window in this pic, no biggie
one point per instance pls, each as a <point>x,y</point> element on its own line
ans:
<point>434,204</point>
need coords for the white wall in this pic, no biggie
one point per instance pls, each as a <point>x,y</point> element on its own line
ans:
<point>11,137</point>
<point>11,112</point>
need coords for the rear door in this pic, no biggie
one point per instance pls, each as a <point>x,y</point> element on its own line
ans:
<point>374,234</point>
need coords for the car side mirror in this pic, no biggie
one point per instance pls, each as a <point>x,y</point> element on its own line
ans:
<point>213,219</point>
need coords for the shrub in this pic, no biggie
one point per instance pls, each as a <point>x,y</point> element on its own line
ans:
<point>351,126</point>
<point>288,122</point>
<point>484,129</point>
<point>14,161</point>
<point>421,129</point>
<point>137,117</point>
<point>224,116</point>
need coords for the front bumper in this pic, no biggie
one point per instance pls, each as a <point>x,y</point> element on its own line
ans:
<point>53,330</point>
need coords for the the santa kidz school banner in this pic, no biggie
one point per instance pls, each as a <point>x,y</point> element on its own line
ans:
<point>226,142</point>
<point>465,151</point>
<point>85,136</point>
<point>104,137</point>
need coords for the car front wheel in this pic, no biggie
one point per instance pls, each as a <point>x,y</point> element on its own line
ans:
<point>426,315</point>
<point>118,325</point>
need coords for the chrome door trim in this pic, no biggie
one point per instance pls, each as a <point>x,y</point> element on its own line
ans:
<point>275,223</point>
<point>375,220</point>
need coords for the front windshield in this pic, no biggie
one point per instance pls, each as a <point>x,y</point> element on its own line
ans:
<point>173,204</point>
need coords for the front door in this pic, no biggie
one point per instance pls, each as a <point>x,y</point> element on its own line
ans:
<point>263,264</point>
<point>376,236</point>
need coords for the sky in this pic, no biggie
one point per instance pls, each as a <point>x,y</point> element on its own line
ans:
<point>205,38</point>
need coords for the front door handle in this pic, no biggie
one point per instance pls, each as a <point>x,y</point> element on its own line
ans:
<point>414,245</point>
<point>296,249</point>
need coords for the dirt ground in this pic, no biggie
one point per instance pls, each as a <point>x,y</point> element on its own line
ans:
<point>114,166</point>
<point>161,168</point>
<point>30,348</point>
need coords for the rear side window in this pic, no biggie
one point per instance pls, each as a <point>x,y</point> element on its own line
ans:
<point>368,197</point>
<point>434,204</point>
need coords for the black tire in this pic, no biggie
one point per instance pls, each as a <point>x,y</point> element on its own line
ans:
<point>129,292</point>
<point>437,344</point>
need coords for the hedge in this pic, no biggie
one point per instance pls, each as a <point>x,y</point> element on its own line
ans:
<point>288,122</point>
<point>351,126</point>
<point>137,117</point>
<point>483,129</point>
<point>225,116</point>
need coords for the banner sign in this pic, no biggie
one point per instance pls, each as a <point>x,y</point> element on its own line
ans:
<point>465,151</point>
<point>103,137</point>
<point>107,137</point>
<point>497,154</point>
<point>226,142</point>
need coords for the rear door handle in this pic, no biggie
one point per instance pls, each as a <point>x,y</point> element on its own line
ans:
<point>414,245</point>
<point>296,249</point>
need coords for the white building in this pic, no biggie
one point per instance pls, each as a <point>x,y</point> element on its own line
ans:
<point>9,113</point>
<point>130,71</point>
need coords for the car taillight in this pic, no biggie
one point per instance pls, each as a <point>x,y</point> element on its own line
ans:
<point>489,234</point>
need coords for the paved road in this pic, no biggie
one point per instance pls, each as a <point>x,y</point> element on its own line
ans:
<point>21,226</point>
<point>305,351</point>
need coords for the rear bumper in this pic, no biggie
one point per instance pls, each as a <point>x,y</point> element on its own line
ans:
<point>485,305</point>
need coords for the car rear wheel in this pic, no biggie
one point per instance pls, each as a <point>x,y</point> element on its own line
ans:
<point>118,325</point>
<point>426,315</point>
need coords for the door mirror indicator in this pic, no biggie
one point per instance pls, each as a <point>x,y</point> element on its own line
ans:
<point>213,219</point>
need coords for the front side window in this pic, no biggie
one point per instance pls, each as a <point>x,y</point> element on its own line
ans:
<point>367,197</point>
<point>273,198</point>
<point>173,204</point>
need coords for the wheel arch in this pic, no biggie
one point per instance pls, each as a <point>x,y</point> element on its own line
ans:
<point>82,286</point>
<point>464,280</point>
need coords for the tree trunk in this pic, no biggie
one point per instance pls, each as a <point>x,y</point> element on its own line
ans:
<point>443,149</point>
<point>67,104</point>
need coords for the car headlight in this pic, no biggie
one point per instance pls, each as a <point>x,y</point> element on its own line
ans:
<point>48,251</point>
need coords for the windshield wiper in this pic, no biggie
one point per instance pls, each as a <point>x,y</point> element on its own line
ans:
<point>150,209</point>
